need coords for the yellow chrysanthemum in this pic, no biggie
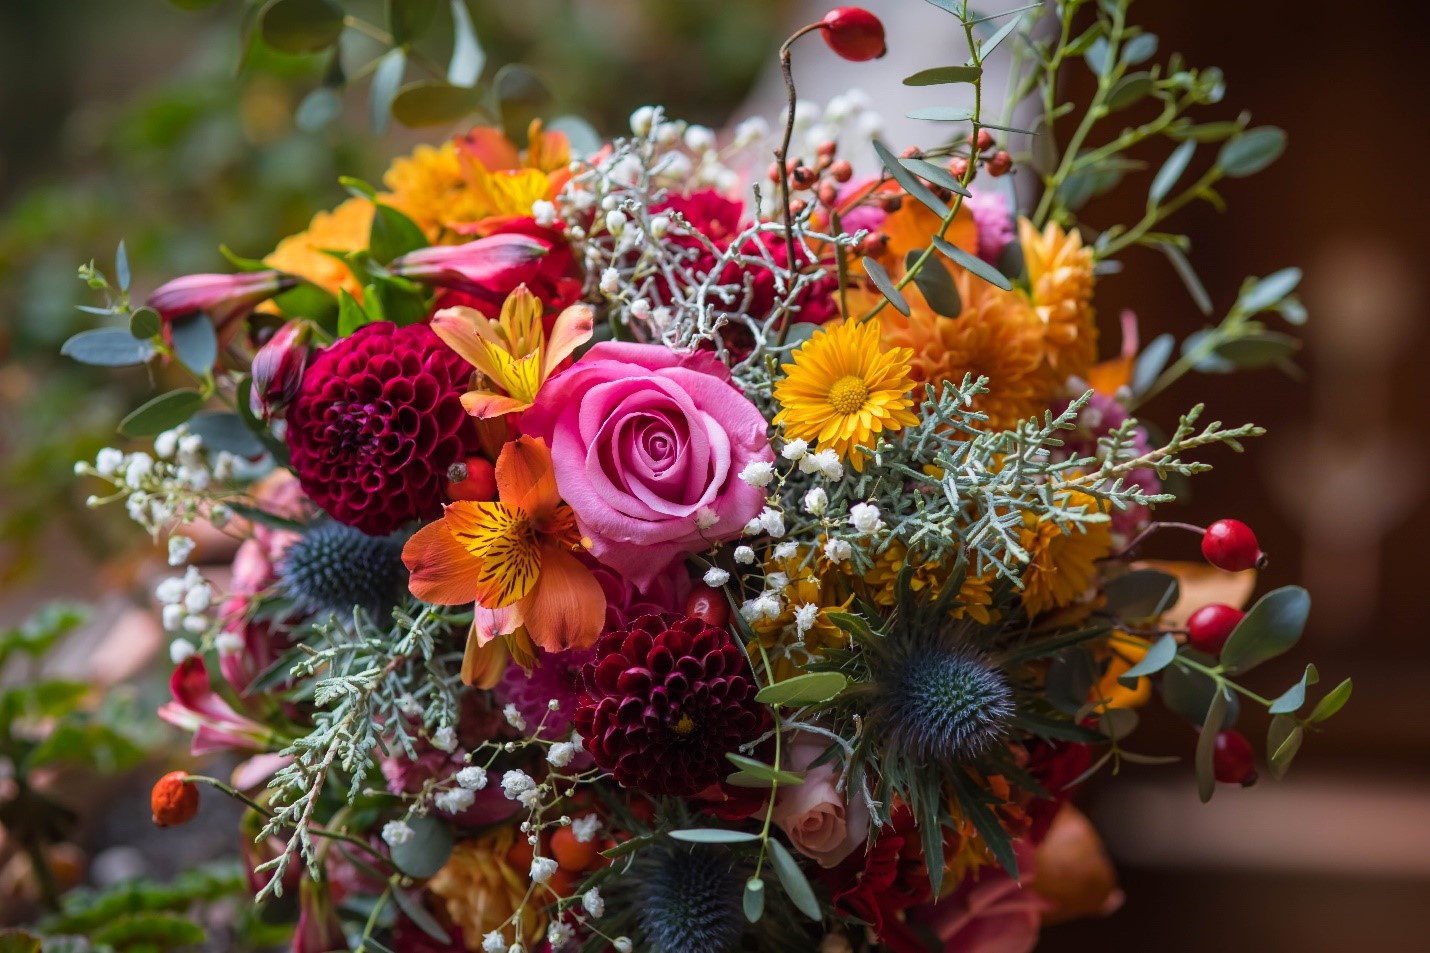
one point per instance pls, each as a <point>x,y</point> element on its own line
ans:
<point>843,389</point>
<point>787,648</point>
<point>343,229</point>
<point>443,189</point>
<point>974,600</point>
<point>1124,651</point>
<point>1062,560</point>
<point>482,891</point>
<point>1060,277</point>
<point>997,336</point>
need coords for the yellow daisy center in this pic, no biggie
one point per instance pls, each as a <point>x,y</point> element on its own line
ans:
<point>848,394</point>
<point>684,726</point>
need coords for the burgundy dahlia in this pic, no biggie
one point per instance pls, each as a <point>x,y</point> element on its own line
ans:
<point>376,424</point>
<point>664,700</point>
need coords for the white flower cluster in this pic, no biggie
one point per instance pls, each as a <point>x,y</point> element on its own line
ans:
<point>186,601</point>
<point>171,485</point>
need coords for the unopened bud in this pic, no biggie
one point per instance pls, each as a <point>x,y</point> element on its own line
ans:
<point>278,369</point>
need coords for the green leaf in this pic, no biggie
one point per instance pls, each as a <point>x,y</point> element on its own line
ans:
<point>1070,677</point>
<point>810,688</point>
<point>1283,740</point>
<point>467,56</point>
<point>435,103</point>
<point>908,181</point>
<point>792,878</point>
<point>996,40</point>
<point>145,323</point>
<point>1206,745</point>
<point>412,907</point>
<point>941,113</point>
<point>357,188</point>
<point>1334,701</point>
<point>385,82</point>
<point>18,941</point>
<point>1271,628</point>
<point>393,234</point>
<point>244,401</point>
<point>121,266</point>
<point>318,109</point>
<point>426,851</point>
<point>222,430</point>
<point>1151,362</point>
<point>754,902</point>
<point>108,347</point>
<point>522,97</point>
<point>1118,723</point>
<point>239,262</point>
<point>1140,49</point>
<point>1047,727</point>
<point>1188,274</point>
<point>1130,90</point>
<point>409,19</point>
<point>976,811</point>
<point>1141,594</point>
<point>851,623</point>
<point>164,412</point>
<point>195,343</point>
<point>1189,693</point>
<point>885,284</point>
<point>300,26</point>
<point>974,264</point>
<point>1158,657</point>
<point>1096,56</point>
<point>1170,172</point>
<point>936,174</point>
<point>713,835</point>
<point>940,75</point>
<point>936,285</point>
<point>1252,151</point>
<point>1253,351</point>
<point>1291,700</point>
<point>351,316</point>
<point>1268,291</point>
<point>761,771</point>
<point>1293,310</point>
<point>1206,132</point>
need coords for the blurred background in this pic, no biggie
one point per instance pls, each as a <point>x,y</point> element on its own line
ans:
<point>132,120</point>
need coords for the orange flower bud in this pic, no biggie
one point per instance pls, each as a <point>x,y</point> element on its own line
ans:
<point>175,799</point>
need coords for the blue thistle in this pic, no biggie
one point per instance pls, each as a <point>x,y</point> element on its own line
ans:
<point>941,702</point>
<point>691,901</point>
<point>335,567</point>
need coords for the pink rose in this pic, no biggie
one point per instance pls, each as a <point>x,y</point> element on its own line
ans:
<point>646,443</point>
<point>820,821</point>
<point>990,912</point>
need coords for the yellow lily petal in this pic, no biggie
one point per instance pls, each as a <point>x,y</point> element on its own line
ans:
<point>573,328</point>
<point>501,538</point>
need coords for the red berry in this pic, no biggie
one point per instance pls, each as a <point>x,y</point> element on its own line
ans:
<point>174,800</point>
<point>472,479</point>
<point>1232,760</point>
<point>854,33</point>
<point>709,605</point>
<point>1231,545</point>
<point>984,140</point>
<point>1000,164</point>
<point>842,171</point>
<point>958,167</point>
<point>1209,627</point>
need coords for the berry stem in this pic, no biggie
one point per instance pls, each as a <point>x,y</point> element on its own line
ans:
<point>1137,540</point>
<point>782,156</point>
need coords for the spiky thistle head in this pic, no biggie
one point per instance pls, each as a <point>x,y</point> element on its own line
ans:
<point>335,567</point>
<point>691,900</point>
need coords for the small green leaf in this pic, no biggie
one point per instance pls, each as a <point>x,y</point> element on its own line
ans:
<point>936,285</point>
<point>1271,628</point>
<point>1130,90</point>
<point>426,851</point>
<point>318,109</point>
<point>996,40</point>
<point>941,75</point>
<point>851,623</point>
<point>357,188</point>
<point>412,907</point>
<point>1265,349</point>
<point>1206,745</point>
<point>794,881</point>
<point>936,174</point>
<point>393,234</point>
<point>467,56</point>
<point>145,323</point>
<point>300,26</point>
<point>1188,274</point>
<point>351,316</point>
<point>121,266</point>
<point>1096,56</point>
<point>754,901</point>
<point>409,19</point>
<point>1189,693</point>
<point>164,412</point>
<point>941,113</point>
<point>1118,723</point>
<point>221,430</point>
<point>434,103</point>
<point>909,182</point>
<point>762,771</point>
<point>385,82</point>
<point>1140,49</point>
<point>1171,171</point>
<point>241,263</point>
<point>1206,132</point>
<point>1158,657</point>
<point>1291,700</point>
<point>885,284</point>
<point>810,688</point>
<point>713,835</point>
<point>1151,362</point>
<point>108,347</point>
<point>1268,291</point>
<point>973,264</point>
<point>1252,151</point>
<point>1334,701</point>
<point>1283,740</point>
<point>195,343</point>
<point>1141,594</point>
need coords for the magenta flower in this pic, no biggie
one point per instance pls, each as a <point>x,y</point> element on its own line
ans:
<point>222,297</point>
<point>319,929</point>
<point>198,708</point>
<point>497,263</point>
<point>648,447</point>
<point>278,369</point>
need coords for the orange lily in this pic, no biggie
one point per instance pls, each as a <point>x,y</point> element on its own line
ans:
<point>512,352</point>
<point>513,559</point>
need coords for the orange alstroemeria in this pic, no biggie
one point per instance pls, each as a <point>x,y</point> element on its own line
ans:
<point>513,352</point>
<point>512,558</point>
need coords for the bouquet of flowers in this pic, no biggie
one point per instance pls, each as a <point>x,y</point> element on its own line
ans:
<point>649,547</point>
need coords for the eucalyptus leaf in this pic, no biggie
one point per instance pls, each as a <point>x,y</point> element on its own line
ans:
<point>1252,151</point>
<point>195,342</point>
<point>1206,745</point>
<point>936,174</point>
<point>108,347</point>
<point>164,412</point>
<point>1253,351</point>
<point>1151,362</point>
<point>225,431</point>
<point>1283,741</point>
<point>1158,657</point>
<point>1271,628</point>
<point>1139,49</point>
<point>300,26</point>
<point>713,835</point>
<point>1130,90</point>
<point>1188,274</point>
<point>792,878</point>
<point>910,182</point>
<point>467,57</point>
<point>1267,291</point>
<point>1141,594</point>
<point>1189,693</point>
<point>1334,701</point>
<point>993,42</point>
<point>435,103</point>
<point>1170,172</point>
<point>426,851</point>
<point>1096,56</point>
<point>121,266</point>
<point>885,284</point>
<point>942,75</point>
<point>754,900</point>
<point>1118,723</point>
<point>810,688</point>
<point>409,19</point>
<point>1290,701</point>
<point>413,909</point>
<point>941,113</point>
<point>385,82</point>
<point>764,772</point>
<point>973,264</point>
<point>318,109</point>
<point>936,285</point>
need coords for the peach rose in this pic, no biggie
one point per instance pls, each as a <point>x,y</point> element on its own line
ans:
<point>820,821</point>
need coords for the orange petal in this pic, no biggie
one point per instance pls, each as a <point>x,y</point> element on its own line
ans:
<point>572,329</point>
<point>526,478</point>
<point>485,406</point>
<point>490,148</point>
<point>443,571</point>
<point>499,537</point>
<point>461,329</point>
<point>483,662</point>
<point>523,652</point>
<point>567,609</point>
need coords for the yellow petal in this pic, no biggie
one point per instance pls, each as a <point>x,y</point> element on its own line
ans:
<point>521,320</point>
<point>571,330</point>
<point>500,537</point>
<point>466,331</point>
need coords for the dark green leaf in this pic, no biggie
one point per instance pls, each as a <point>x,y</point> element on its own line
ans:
<point>300,26</point>
<point>1047,727</point>
<point>1188,693</point>
<point>426,851</point>
<point>885,284</point>
<point>1268,291</point>
<point>941,75</point>
<point>17,941</point>
<point>936,285</point>
<point>1171,171</point>
<point>434,103</point>
<point>713,835</point>
<point>393,234</point>
<point>1070,678</point>
<point>164,412</point>
<point>1158,657</point>
<point>351,316</point>
<point>1272,627</point>
<point>412,907</point>
<point>1141,594</point>
<point>909,181</point>
<point>1140,49</point>
<point>222,430</point>
<point>467,57</point>
<point>851,623</point>
<point>107,347</point>
<point>409,19</point>
<point>1206,745</point>
<point>241,263</point>
<point>144,323</point>
<point>1334,701</point>
<point>1283,740</point>
<point>976,811</point>
<point>522,97</point>
<point>1252,351</point>
<point>1252,151</point>
<point>973,263</point>
<point>1130,90</point>
<point>941,113</point>
<point>754,901</point>
<point>1188,274</point>
<point>810,688</point>
<point>936,174</point>
<point>794,881</point>
<point>762,771</point>
<point>385,82</point>
<point>195,343</point>
<point>1291,700</point>
<point>1118,723</point>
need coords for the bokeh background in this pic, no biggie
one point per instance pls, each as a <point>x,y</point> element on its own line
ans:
<point>129,119</point>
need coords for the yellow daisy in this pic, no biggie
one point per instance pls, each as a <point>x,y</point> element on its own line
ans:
<point>1060,279</point>
<point>843,389</point>
<point>1063,561</point>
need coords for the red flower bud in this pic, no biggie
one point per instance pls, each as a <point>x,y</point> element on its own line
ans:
<point>174,800</point>
<point>958,167</point>
<point>984,140</point>
<point>1210,626</point>
<point>1231,545</point>
<point>473,479</point>
<point>854,33</point>
<point>278,369</point>
<point>1232,759</point>
<point>497,262</point>
<point>222,297</point>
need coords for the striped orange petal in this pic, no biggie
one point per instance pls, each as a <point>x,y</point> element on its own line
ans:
<point>501,539</point>
<point>443,571</point>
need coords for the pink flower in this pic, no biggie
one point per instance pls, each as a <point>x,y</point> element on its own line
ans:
<point>995,225</point>
<point>278,368</point>
<point>319,929</point>
<point>648,446</point>
<point>198,708</point>
<point>821,821</point>
<point>222,297</point>
<point>990,912</point>
<point>487,264</point>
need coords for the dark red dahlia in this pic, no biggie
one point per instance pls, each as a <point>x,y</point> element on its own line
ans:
<point>376,424</point>
<point>664,700</point>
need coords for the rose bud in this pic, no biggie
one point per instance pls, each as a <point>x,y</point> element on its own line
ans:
<point>495,263</point>
<point>222,297</point>
<point>174,800</point>
<point>278,369</point>
<point>854,33</point>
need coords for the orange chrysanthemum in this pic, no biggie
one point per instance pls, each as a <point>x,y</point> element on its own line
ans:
<point>843,390</point>
<point>482,891</point>
<point>1060,279</point>
<point>343,229</point>
<point>1062,559</point>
